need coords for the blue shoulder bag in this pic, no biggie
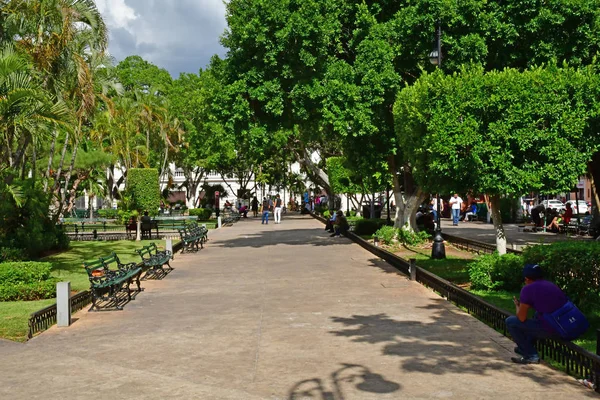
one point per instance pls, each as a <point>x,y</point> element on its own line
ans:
<point>568,321</point>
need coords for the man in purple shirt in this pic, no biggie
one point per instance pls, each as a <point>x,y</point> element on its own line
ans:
<point>543,297</point>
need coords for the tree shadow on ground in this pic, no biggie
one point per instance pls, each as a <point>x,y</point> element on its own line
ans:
<point>348,378</point>
<point>296,237</point>
<point>449,342</point>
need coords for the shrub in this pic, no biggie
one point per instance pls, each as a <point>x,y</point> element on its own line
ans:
<point>321,209</point>
<point>203,214</point>
<point>28,292</point>
<point>573,266</point>
<point>11,254</point>
<point>26,281</point>
<point>124,216</point>
<point>411,238</point>
<point>24,272</point>
<point>142,186</point>
<point>363,227</point>
<point>109,213</point>
<point>495,272</point>
<point>327,214</point>
<point>386,234</point>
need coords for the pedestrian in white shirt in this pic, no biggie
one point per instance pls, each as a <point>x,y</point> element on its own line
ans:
<point>455,203</point>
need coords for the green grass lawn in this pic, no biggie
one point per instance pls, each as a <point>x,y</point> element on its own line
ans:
<point>67,266</point>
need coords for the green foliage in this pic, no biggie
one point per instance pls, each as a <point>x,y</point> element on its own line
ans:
<point>142,186</point>
<point>109,213</point>
<point>453,127</point>
<point>26,281</point>
<point>24,272</point>
<point>203,214</point>
<point>327,214</point>
<point>363,227</point>
<point>573,266</point>
<point>135,73</point>
<point>28,292</point>
<point>28,227</point>
<point>124,216</point>
<point>495,272</point>
<point>410,237</point>
<point>11,254</point>
<point>386,234</point>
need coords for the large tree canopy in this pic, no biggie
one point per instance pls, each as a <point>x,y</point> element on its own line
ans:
<point>501,132</point>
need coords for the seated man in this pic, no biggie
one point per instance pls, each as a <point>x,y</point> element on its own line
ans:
<point>544,297</point>
<point>340,225</point>
<point>331,221</point>
<point>472,210</point>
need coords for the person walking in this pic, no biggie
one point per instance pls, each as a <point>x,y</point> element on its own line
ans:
<point>277,213</point>
<point>455,204</point>
<point>265,211</point>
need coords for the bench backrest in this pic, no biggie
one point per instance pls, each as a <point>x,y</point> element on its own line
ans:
<point>96,265</point>
<point>144,251</point>
<point>112,259</point>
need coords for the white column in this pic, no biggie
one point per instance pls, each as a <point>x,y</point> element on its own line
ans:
<point>63,304</point>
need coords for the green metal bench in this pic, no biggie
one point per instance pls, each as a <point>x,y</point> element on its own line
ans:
<point>154,260</point>
<point>193,237</point>
<point>107,282</point>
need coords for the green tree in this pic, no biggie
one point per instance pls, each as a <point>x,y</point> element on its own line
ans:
<point>500,133</point>
<point>143,191</point>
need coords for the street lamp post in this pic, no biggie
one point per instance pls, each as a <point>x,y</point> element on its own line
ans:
<point>438,251</point>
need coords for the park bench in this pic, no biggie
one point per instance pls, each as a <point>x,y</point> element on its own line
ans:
<point>154,260</point>
<point>193,237</point>
<point>232,217</point>
<point>107,282</point>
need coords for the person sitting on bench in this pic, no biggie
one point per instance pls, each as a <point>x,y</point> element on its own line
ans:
<point>331,221</point>
<point>471,211</point>
<point>340,225</point>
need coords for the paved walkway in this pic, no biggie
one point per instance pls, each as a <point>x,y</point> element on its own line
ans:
<point>485,232</point>
<point>277,312</point>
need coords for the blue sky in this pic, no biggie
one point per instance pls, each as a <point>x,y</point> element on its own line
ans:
<point>178,35</point>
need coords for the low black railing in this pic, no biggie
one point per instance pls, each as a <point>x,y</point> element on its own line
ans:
<point>574,359</point>
<point>43,319</point>
<point>474,245</point>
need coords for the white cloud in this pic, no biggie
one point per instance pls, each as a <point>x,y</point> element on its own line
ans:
<point>178,35</point>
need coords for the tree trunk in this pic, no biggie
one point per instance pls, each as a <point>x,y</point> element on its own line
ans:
<point>407,205</point>
<point>69,172</point>
<point>498,227</point>
<point>138,235</point>
<point>50,159</point>
<point>60,164</point>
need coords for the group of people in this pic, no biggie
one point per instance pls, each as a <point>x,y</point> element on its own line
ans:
<point>554,219</point>
<point>268,205</point>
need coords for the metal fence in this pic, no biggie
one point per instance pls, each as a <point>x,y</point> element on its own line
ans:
<point>43,319</point>
<point>574,359</point>
<point>474,245</point>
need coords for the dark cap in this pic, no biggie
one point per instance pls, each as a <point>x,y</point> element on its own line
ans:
<point>533,271</point>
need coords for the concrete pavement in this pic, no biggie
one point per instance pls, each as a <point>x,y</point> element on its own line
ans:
<point>277,312</point>
<point>484,232</point>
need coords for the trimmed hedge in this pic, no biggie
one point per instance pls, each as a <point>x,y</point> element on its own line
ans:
<point>26,281</point>
<point>495,272</point>
<point>142,186</point>
<point>24,272</point>
<point>573,266</point>
<point>109,213</point>
<point>203,214</point>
